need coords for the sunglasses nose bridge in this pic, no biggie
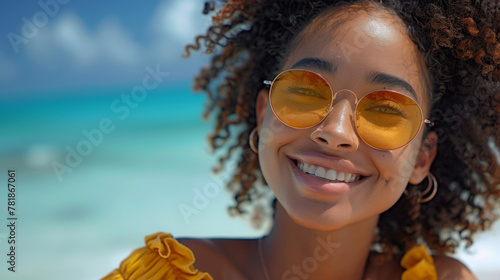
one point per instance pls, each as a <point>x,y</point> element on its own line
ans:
<point>337,128</point>
<point>345,94</point>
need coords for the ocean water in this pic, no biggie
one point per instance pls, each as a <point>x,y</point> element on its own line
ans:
<point>95,174</point>
<point>109,189</point>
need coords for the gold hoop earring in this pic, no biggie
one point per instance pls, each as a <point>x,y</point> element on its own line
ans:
<point>431,189</point>
<point>251,141</point>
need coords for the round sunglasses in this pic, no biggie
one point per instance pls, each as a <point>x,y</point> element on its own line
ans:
<point>384,119</point>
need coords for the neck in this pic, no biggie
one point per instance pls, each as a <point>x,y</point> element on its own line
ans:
<point>295,252</point>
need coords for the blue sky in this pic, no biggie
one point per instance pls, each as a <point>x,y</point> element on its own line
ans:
<point>91,44</point>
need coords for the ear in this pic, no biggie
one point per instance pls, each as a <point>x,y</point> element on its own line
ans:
<point>261,106</point>
<point>425,158</point>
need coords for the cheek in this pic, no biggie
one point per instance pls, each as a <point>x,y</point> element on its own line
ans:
<point>396,167</point>
<point>272,132</point>
<point>270,136</point>
<point>394,171</point>
<point>276,140</point>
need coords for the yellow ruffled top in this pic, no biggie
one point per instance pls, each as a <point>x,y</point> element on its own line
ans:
<point>419,265</point>
<point>164,258</point>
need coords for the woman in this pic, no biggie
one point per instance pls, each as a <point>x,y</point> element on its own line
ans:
<point>353,114</point>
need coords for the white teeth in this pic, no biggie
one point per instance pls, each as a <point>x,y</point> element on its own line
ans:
<point>348,177</point>
<point>328,174</point>
<point>311,169</point>
<point>331,174</point>
<point>340,176</point>
<point>320,172</point>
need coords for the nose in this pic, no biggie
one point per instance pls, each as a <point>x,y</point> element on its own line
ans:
<point>337,130</point>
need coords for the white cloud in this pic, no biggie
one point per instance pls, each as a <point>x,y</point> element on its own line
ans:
<point>69,36</point>
<point>68,40</point>
<point>116,43</point>
<point>178,19</point>
<point>43,50</point>
<point>175,24</point>
<point>69,49</point>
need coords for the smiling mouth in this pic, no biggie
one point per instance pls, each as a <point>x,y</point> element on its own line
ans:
<point>327,174</point>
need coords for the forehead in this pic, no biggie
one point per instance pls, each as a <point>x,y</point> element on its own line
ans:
<point>355,28</point>
<point>331,19</point>
<point>350,35</point>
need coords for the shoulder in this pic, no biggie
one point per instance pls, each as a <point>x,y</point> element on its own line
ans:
<point>418,264</point>
<point>452,269</point>
<point>222,258</point>
<point>163,257</point>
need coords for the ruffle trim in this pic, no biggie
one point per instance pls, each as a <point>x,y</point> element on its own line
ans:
<point>419,265</point>
<point>163,258</point>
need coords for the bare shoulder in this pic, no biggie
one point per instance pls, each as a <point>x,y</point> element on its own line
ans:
<point>221,258</point>
<point>449,268</point>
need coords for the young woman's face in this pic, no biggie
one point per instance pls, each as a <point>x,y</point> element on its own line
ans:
<point>355,51</point>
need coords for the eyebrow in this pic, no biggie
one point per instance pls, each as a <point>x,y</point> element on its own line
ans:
<point>322,65</point>
<point>318,64</point>
<point>390,80</point>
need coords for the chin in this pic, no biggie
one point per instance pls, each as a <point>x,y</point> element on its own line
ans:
<point>330,220</point>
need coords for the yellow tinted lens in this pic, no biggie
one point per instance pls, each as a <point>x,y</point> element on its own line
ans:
<point>300,98</point>
<point>387,120</point>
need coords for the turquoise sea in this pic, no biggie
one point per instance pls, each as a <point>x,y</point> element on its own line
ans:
<point>80,221</point>
<point>83,203</point>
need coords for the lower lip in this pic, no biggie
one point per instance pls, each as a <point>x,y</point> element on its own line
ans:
<point>321,186</point>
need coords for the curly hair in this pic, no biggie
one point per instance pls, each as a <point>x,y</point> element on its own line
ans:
<point>459,40</point>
